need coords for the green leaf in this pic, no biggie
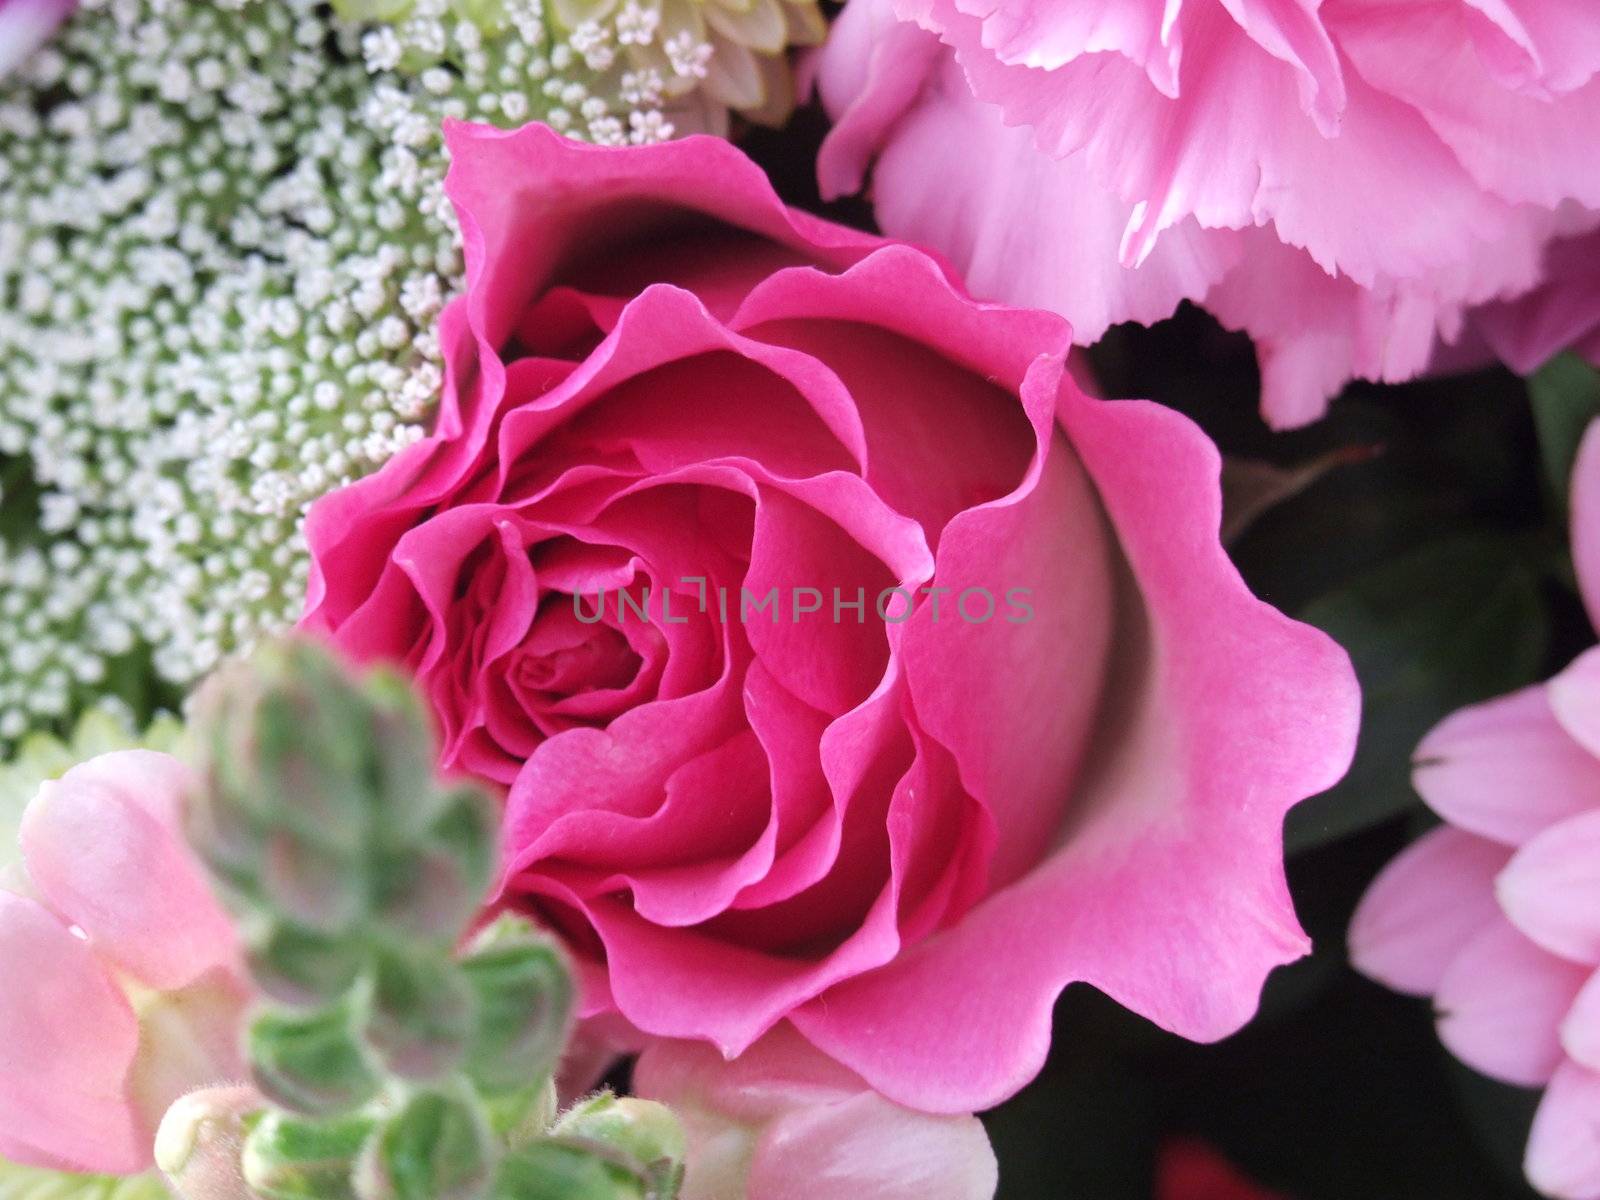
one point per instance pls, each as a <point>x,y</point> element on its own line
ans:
<point>30,1183</point>
<point>1565,394</point>
<point>1450,624</point>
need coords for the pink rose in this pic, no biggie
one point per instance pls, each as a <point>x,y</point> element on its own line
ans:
<point>1341,179</point>
<point>903,832</point>
<point>1496,914</point>
<point>782,1122</point>
<point>121,988</point>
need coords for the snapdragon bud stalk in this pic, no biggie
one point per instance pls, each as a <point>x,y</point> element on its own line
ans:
<point>389,1065</point>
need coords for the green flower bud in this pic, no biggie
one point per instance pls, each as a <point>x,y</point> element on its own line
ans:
<point>431,888</point>
<point>646,1131</point>
<point>422,1013</point>
<point>521,1116</point>
<point>313,1063</point>
<point>199,1142</point>
<point>438,1147</point>
<point>287,1158</point>
<point>525,1005</point>
<point>547,1170</point>
<point>404,750</point>
<point>299,966</point>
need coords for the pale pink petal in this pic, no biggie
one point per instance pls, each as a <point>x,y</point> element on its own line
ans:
<point>1580,1028</point>
<point>1563,1158</point>
<point>1575,700</point>
<point>103,848</point>
<point>1501,1003</point>
<point>990,179</point>
<point>25,25</point>
<point>1551,889</point>
<point>1424,907</point>
<point>1586,518</point>
<point>67,1043</point>
<point>1506,769</point>
<point>1187,792</point>
<point>783,1122</point>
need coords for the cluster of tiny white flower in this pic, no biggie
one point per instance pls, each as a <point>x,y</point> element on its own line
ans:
<point>223,244</point>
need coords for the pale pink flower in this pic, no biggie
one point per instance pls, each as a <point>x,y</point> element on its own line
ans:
<point>120,988</point>
<point>1342,179</point>
<point>1497,914</point>
<point>783,1122</point>
<point>25,25</point>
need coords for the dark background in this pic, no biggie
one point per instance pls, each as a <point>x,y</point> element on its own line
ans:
<point>1432,544</point>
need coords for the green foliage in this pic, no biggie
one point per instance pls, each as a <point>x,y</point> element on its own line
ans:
<point>30,1183</point>
<point>1451,623</point>
<point>397,1068</point>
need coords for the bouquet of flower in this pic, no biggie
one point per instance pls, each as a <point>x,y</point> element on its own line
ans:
<point>588,610</point>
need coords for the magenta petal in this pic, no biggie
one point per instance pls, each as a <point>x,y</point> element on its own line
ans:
<point>103,848</point>
<point>1563,1158</point>
<point>1424,908</point>
<point>1501,1002</point>
<point>67,1043</point>
<point>527,203</point>
<point>1230,714</point>
<point>1506,769</point>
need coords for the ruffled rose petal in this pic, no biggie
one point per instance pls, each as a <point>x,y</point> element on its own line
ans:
<point>1506,769</point>
<point>1178,797</point>
<point>1501,1002</point>
<point>103,848</point>
<point>1424,908</point>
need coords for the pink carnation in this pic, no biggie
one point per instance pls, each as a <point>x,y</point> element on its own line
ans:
<point>1342,179</point>
<point>782,1122</point>
<point>1497,914</point>
<point>25,25</point>
<point>900,832</point>
<point>122,988</point>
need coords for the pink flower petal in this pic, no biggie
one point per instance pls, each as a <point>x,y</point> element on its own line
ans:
<point>1586,516</point>
<point>1424,908</point>
<point>781,1122</point>
<point>67,1042</point>
<point>1563,1158</point>
<point>1182,798</point>
<point>1506,769</point>
<point>25,25</point>
<point>1580,1028</point>
<point>1501,1002</point>
<point>103,848</point>
<point>1551,889</point>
